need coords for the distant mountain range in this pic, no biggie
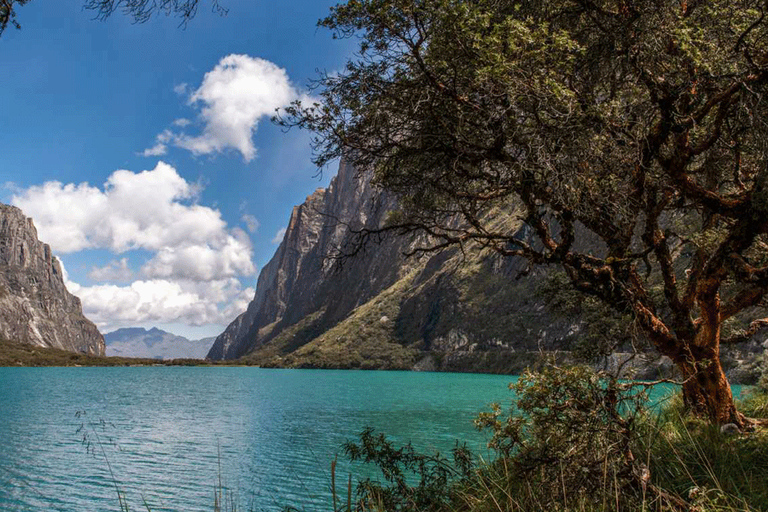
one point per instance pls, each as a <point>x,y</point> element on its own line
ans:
<point>154,344</point>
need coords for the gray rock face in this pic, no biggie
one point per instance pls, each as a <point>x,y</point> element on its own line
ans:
<point>35,306</point>
<point>300,292</point>
<point>300,279</point>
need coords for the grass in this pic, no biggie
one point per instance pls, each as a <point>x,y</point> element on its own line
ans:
<point>364,340</point>
<point>696,459</point>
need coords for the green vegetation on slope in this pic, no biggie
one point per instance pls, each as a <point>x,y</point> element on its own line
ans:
<point>459,311</point>
<point>364,340</point>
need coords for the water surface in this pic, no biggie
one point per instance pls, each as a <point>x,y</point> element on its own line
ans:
<point>169,433</point>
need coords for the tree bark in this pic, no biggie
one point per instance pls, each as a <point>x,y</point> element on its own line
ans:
<point>706,391</point>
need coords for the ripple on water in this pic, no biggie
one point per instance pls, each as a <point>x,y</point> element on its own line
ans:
<point>170,434</point>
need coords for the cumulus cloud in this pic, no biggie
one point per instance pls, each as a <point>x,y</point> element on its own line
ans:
<point>193,262</point>
<point>181,89</point>
<point>163,301</point>
<point>204,262</point>
<point>181,122</point>
<point>279,236</point>
<point>233,97</point>
<point>152,210</point>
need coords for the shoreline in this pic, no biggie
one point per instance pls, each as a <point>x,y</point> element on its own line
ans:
<point>13,354</point>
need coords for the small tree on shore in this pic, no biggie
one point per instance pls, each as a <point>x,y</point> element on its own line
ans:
<point>644,124</point>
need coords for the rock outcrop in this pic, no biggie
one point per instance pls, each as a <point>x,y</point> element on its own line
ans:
<point>381,309</point>
<point>35,306</point>
<point>300,280</point>
<point>446,311</point>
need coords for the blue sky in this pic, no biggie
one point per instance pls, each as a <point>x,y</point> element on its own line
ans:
<point>145,155</point>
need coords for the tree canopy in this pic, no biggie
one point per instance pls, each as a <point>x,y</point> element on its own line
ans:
<point>640,123</point>
<point>139,10</point>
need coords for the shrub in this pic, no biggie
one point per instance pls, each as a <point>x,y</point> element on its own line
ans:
<point>579,440</point>
<point>412,481</point>
<point>569,438</point>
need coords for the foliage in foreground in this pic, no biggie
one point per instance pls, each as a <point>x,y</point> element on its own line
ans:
<point>577,440</point>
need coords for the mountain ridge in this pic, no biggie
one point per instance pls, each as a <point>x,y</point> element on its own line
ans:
<point>383,310</point>
<point>154,343</point>
<point>35,306</point>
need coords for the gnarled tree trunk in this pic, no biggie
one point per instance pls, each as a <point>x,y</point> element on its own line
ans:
<point>706,391</point>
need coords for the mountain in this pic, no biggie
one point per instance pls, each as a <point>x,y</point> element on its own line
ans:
<point>450,310</point>
<point>35,306</point>
<point>154,344</point>
<point>453,310</point>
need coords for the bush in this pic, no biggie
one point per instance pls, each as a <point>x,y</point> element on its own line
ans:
<point>413,481</point>
<point>578,440</point>
<point>569,439</point>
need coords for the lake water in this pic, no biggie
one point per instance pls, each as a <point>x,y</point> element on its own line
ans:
<point>169,433</point>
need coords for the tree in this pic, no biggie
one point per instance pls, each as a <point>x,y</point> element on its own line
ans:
<point>8,14</point>
<point>139,10</point>
<point>641,123</point>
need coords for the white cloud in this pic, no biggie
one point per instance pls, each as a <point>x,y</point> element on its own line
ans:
<point>233,97</point>
<point>251,223</point>
<point>203,262</point>
<point>194,261</point>
<point>158,149</point>
<point>161,144</point>
<point>181,122</point>
<point>114,271</point>
<point>150,210</point>
<point>163,301</point>
<point>181,89</point>
<point>279,236</point>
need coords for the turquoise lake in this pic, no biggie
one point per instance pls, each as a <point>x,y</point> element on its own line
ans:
<point>166,431</point>
<point>170,433</point>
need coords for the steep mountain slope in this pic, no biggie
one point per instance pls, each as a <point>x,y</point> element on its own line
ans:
<point>448,310</point>
<point>154,344</point>
<point>299,281</point>
<point>35,306</point>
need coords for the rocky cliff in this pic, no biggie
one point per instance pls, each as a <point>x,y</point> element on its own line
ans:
<point>449,310</point>
<point>35,306</point>
<point>300,281</point>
